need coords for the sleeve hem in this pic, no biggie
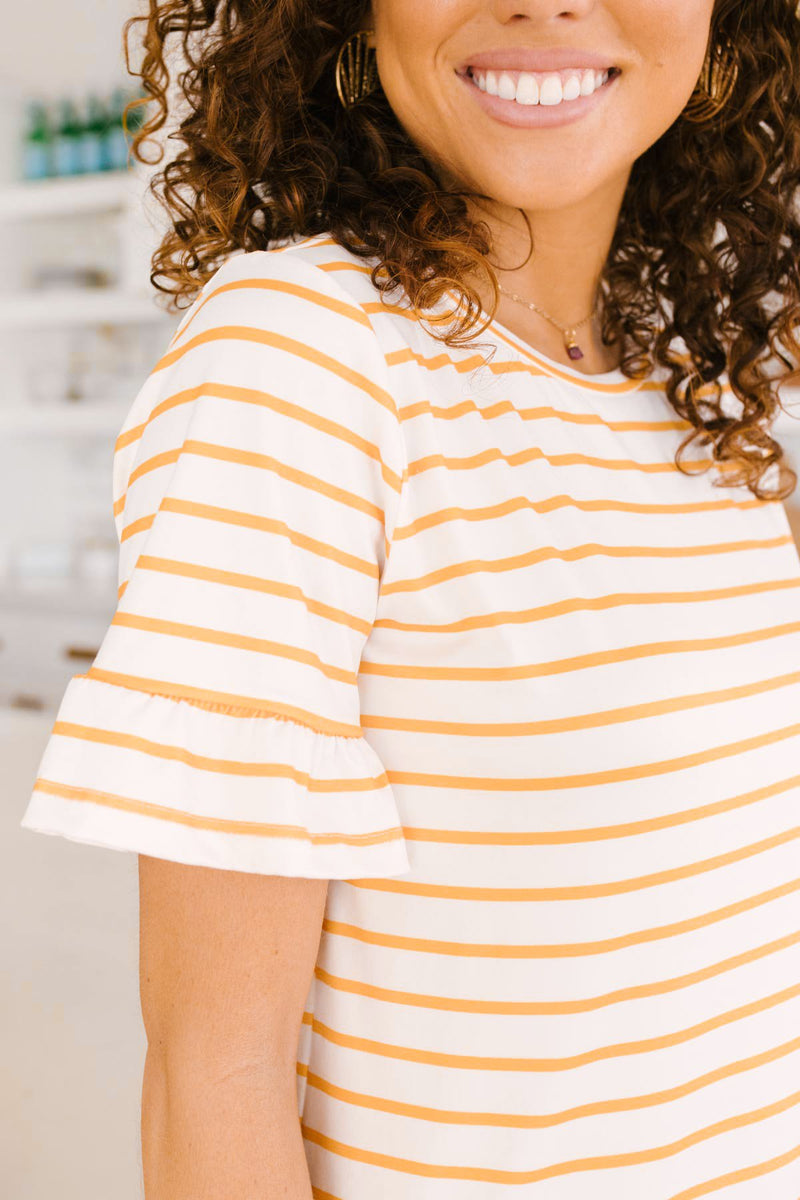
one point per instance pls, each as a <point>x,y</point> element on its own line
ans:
<point>113,830</point>
<point>135,771</point>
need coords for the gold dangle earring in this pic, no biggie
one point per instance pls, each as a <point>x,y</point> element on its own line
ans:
<point>356,69</point>
<point>715,86</point>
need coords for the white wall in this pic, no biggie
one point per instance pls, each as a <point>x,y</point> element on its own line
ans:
<point>50,46</point>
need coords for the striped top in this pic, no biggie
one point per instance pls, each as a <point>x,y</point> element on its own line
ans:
<point>448,627</point>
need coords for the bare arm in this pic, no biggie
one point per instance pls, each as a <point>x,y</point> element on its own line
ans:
<point>226,961</point>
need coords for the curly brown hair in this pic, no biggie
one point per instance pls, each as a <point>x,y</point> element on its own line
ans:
<point>706,251</point>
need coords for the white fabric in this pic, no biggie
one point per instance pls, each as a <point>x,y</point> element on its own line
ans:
<point>448,627</point>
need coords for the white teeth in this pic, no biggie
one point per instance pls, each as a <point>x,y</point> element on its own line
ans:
<point>551,91</point>
<point>572,88</point>
<point>548,88</point>
<point>527,90</point>
<point>506,88</point>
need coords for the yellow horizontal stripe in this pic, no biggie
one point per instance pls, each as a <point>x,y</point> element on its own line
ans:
<point>558,608</point>
<point>228,703</point>
<point>289,345</point>
<point>538,1175</point>
<point>583,891</point>
<point>165,459</point>
<point>261,769</point>
<point>595,778</point>
<point>555,1007</point>
<point>548,504</point>
<point>264,462</point>
<point>472,362</point>
<point>530,558</point>
<point>462,366</point>
<point>579,662</point>
<point>597,833</point>
<point>539,1008</point>
<point>531,454</point>
<point>536,366</point>
<point>129,436</point>
<point>506,338</point>
<point>543,412</point>
<point>384,307</point>
<point>339,434</point>
<point>557,949</point>
<point>140,525</point>
<point>436,362</point>
<point>548,1120</point>
<point>175,400</point>
<point>229,516</point>
<point>160,812</point>
<point>475,1062</point>
<point>237,641</point>
<point>740,1176</point>
<point>643,711</point>
<point>257,583</point>
<point>319,299</point>
<point>348,267</point>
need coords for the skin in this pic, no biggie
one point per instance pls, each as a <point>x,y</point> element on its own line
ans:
<point>569,180</point>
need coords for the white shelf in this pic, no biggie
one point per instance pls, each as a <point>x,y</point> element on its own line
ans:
<point>78,306</point>
<point>103,192</point>
<point>66,418</point>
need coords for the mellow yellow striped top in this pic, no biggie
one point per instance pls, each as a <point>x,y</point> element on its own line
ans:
<point>448,627</point>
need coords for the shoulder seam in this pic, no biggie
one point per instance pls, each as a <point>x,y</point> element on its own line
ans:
<point>218,285</point>
<point>356,305</point>
<point>386,387</point>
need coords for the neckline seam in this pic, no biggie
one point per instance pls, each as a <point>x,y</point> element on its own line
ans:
<point>613,376</point>
<point>605,380</point>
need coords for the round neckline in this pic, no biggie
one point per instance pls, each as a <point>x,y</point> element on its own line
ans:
<point>613,380</point>
<point>612,376</point>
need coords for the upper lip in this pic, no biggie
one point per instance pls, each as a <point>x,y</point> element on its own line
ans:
<point>521,58</point>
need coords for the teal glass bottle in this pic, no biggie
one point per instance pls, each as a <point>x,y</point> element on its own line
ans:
<point>37,144</point>
<point>116,143</point>
<point>66,142</point>
<point>93,148</point>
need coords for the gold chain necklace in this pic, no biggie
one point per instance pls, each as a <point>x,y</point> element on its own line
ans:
<point>570,343</point>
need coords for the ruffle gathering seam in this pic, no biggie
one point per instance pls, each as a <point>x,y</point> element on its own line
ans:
<point>231,710</point>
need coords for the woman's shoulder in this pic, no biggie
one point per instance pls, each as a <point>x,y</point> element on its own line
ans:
<point>313,283</point>
<point>274,358</point>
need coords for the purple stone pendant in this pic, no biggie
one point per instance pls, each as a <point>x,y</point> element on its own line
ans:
<point>572,347</point>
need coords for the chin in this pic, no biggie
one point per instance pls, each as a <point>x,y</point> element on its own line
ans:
<point>559,194</point>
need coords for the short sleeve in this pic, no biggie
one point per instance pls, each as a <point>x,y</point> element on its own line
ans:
<point>257,480</point>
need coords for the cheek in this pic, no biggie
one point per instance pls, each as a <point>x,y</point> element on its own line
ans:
<point>406,89</point>
<point>408,32</point>
<point>415,95</point>
<point>412,39</point>
<point>670,37</point>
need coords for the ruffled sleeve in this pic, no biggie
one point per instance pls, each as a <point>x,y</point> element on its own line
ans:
<point>257,480</point>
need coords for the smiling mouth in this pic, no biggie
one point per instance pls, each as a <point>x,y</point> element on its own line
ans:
<point>547,88</point>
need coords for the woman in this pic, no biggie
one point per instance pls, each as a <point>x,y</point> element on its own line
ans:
<point>481,702</point>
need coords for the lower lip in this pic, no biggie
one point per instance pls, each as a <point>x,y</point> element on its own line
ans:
<point>537,116</point>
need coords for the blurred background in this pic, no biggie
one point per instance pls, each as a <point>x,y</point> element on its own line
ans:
<point>79,332</point>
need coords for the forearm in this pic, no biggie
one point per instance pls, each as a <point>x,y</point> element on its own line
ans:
<point>227,1134</point>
